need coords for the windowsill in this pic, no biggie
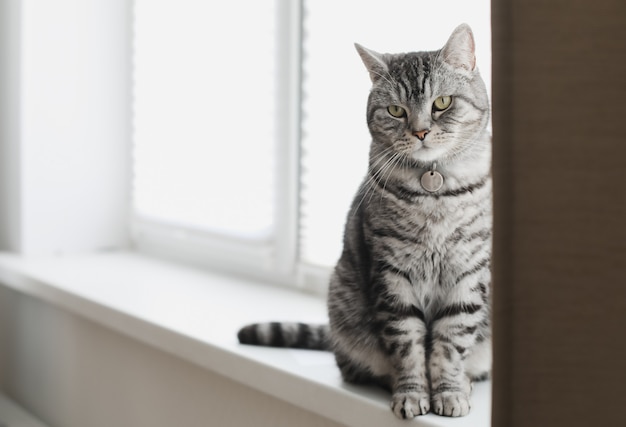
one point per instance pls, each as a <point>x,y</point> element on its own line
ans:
<point>195,315</point>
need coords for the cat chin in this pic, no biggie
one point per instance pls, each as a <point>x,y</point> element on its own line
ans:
<point>427,155</point>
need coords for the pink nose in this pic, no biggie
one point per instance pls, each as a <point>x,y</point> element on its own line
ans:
<point>421,134</point>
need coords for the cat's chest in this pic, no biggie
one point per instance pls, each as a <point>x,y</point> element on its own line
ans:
<point>425,246</point>
<point>432,222</point>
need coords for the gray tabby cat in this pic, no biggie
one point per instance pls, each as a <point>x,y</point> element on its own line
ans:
<point>409,300</point>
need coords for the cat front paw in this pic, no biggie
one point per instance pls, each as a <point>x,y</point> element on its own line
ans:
<point>451,403</point>
<point>409,404</point>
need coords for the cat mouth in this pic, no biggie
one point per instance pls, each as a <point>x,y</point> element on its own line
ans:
<point>421,146</point>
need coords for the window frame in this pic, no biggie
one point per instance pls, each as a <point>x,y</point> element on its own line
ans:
<point>276,259</point>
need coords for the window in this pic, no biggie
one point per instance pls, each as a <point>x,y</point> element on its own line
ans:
<point>204,115</point>
<point>249,130</point>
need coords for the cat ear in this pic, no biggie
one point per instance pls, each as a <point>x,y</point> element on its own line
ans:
<point>373,61</point>
<point>459,51</point>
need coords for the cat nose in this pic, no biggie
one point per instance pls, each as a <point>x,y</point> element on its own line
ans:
<point>421,134</point>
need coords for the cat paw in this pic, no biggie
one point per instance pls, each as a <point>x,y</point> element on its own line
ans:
<point>410,404</point>
<point>451,403</point>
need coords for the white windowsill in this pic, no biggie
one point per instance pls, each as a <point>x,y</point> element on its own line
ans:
<point>196,314</point>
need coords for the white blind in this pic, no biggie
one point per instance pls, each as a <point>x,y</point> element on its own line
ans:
<point>336,86</point>
<point>204,103</point>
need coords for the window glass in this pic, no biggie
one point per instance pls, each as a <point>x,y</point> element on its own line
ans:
<point>336,85</point>
<point>204,101</point>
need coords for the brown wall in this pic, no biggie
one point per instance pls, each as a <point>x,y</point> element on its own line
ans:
<point>559,110</point>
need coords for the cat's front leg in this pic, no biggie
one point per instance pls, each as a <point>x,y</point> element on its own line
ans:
<point>410,388</point>
<point>453,336</point>
<point>402,335</point>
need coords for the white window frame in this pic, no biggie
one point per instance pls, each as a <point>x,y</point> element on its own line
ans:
<point>275,260</point>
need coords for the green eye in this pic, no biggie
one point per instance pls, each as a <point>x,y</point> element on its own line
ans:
<point>396,111</point>
<point>442,103</point>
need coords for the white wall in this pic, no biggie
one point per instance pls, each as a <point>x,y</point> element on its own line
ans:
<point>65,120</point>
<point>73,373</point>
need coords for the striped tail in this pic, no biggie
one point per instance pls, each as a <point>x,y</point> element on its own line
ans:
<point>286,334</point>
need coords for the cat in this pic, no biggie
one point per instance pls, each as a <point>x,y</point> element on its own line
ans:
<point>409,299</point>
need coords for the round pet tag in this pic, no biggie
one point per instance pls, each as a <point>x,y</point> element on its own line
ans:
<point>432,181</point>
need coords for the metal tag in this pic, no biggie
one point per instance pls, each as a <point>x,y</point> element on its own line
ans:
<point>432,181</point>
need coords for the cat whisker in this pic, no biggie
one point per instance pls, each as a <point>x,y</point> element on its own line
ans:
<point>378,166</point>
<point>379,173</point>
<point>395,160</point>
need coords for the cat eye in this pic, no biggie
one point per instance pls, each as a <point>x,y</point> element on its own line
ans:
<point>396,111</point>
<point>442,103</point>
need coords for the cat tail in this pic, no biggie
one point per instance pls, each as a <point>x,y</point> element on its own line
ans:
<point>287,335</point>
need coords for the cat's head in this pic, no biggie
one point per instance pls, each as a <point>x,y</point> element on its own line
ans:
<point>427,106</point>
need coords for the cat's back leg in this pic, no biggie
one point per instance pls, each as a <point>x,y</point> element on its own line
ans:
<point>353,340</point>
<point>478,362</point>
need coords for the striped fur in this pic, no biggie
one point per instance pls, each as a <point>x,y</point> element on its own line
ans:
<point>286,334</point>
<point>409,300</point>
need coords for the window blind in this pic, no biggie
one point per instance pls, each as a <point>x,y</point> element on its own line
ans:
<point>204,115</point>
<point>335,140</point>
